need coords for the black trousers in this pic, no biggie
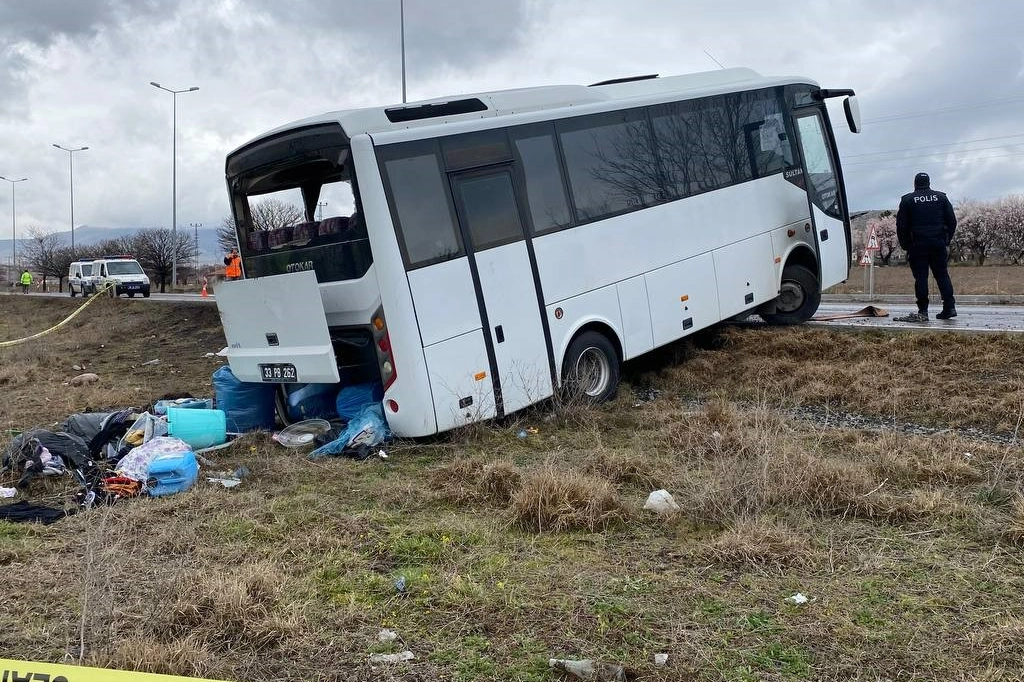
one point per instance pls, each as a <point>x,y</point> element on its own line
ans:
<point>930,255</point>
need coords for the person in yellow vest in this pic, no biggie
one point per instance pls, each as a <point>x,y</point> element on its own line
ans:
<point>26,281</point>
<point>233,265</point>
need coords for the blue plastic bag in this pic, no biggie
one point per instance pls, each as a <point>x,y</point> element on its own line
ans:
<point>353,399</point>
<point>367,429</point>
<point>248,406</point>
<point>311,401</point>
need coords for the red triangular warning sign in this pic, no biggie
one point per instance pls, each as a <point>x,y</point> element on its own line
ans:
<point>872,241</point>
<point>865,259</point>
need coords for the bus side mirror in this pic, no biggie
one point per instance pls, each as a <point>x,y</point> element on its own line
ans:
<point>852,109</point>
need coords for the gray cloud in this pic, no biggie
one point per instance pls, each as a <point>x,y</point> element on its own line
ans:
<point>77,73</point>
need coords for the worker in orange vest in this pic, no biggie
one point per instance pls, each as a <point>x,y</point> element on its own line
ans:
<point>233,265</point>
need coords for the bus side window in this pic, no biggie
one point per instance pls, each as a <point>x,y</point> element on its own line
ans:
<point>545,191</point>
<point>418,192</point>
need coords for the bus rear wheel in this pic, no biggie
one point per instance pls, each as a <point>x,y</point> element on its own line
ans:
<point>799,297</point>
<point>591,368</point>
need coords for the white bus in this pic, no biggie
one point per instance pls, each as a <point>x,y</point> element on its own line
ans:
<point>481,252</point>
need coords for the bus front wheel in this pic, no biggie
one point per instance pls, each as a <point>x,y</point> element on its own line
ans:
<point>799,297</point>
<point>591,369</point>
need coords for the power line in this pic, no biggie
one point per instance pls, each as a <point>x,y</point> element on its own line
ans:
<point>945,110</point>
<point>940,155</point>
<point>930,146</point>
<point>957,163</point>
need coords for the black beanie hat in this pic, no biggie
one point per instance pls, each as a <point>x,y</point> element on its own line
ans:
<point>922,181</point>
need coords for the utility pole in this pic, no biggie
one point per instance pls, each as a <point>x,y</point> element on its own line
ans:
<point>401,6</point>
<point>196,226</point>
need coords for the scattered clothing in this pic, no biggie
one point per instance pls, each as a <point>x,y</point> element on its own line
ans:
<point>26,512</point>
<point>135,465</point>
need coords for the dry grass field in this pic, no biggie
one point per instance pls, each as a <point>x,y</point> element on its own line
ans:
<point>879,474</point>
<point>967,279</point>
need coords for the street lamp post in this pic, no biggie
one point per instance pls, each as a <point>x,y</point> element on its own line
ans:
<point>401,11</point>
<point>174,175</point>
<point>71,175</point>
<point>14,221</point>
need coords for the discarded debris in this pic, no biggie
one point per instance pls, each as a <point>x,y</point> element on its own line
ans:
<point>590,670</point>
<point>155,361</point>
<point>8,492</point>
<point>392,658</point>
<point>82,379</point>
<point>226,482</point>
<point>661,501</point>
<point>528,431</point>
<point>798,599</point>
<point>870,311</point>
<point>660,660</point>
<point>400,583</point>
<point>386,635</point>
<point>644,395</point>
<point>77,368</point>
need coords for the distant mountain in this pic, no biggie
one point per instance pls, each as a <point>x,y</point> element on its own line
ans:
<point>209,250</point>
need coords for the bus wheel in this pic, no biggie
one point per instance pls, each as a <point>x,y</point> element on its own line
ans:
<point>799,297</point>
<point>591,369</point>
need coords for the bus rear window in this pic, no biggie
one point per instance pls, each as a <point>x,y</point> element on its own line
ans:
<point>296,206</point>
<point>278,221</point>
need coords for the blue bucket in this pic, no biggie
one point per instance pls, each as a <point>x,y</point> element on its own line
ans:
<point>161,406</point>
<point>199,428</point>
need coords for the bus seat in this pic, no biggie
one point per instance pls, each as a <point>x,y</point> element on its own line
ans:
<point>256,241</point>
<point>332,225</point>
<point>303,232</point>
<point>280,236</point>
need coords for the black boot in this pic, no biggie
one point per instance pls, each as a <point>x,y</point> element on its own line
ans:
<point>946,313</point>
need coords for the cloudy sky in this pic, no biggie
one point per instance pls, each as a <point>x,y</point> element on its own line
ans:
<point>941,83</point>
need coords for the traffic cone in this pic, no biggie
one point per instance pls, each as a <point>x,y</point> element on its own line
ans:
<point>205,293</point>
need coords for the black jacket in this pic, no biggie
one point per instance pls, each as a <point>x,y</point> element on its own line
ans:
<point>925,215</point>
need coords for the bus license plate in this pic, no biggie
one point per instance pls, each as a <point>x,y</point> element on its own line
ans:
<point>279,372</point>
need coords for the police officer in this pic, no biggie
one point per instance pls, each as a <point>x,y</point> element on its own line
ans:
<point>925,223</point>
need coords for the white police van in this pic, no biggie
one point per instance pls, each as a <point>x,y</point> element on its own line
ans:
<point>122,274</point>
<point>81,279</point>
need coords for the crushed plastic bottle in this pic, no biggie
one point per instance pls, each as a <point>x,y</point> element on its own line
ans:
<point>392,658</point>
<point>592,671</point>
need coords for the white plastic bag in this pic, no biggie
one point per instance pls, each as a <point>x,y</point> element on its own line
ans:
<point>661,501</point>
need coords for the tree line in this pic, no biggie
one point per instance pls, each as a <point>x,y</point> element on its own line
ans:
<point>155,249</point>
<point>985,230</point>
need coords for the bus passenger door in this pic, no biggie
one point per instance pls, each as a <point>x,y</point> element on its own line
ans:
<point>507,286</point>
<point>823,190</point>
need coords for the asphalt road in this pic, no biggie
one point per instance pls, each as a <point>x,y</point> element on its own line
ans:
<point>976,313</point>
<point>970,318</point>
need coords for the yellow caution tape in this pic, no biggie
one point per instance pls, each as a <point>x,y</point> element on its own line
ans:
<point>23,671</point>
<point>15,342</point>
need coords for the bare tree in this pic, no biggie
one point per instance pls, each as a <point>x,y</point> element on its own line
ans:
<point>47,254</point>
<point>266,214</point>
<point>157,249</point>
<point>117,246</point>
<point>226,235</point>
